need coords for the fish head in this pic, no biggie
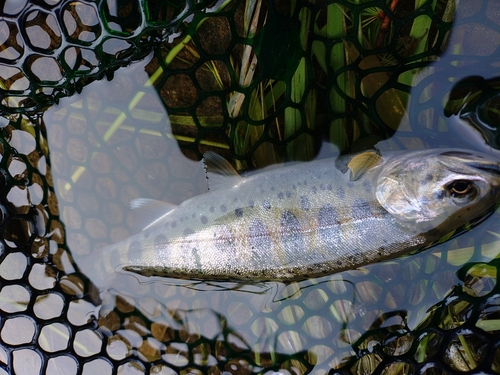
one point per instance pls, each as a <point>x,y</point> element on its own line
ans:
<point>438,190</point>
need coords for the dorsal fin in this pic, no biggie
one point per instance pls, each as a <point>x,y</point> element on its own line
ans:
<point>361,163</point>
<point>148,211</point>
<point>219,172</point>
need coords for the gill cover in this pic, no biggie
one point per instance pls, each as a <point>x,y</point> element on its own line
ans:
<point>427,189</point>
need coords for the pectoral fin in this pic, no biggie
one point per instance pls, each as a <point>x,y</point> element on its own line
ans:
<point>361,163</point>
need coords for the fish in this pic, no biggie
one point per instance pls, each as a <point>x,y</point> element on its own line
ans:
<point>306,220</point>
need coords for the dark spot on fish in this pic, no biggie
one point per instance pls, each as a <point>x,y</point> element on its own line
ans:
<point>361,210</point>
<point>367,186</point>
<point>340,192</point>
<point>174,224</point>
<point>266,205</point>
<point>211,209</point>
<point>203,219</point>
<point>161,242</point>
<point>259,237</point>
<point>251,204</point>
<point>188,232</point>
<point>304,202</point>
<point>291,233</point>
<point>314,189</point>
<point>339,262</point>
<point>288,194</point>
<point>294,187</point>
<point>329,230</point>
<point>223,208</point>
<point>280,195</point>
<point>428,178</point>
<point>329,187</point>
<point>238,212</point>
<point>322,186</point>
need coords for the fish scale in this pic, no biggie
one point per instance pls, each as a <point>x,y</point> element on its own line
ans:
<point>308,219</point>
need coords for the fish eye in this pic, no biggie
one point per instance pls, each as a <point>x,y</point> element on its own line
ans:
<point>461,188</point>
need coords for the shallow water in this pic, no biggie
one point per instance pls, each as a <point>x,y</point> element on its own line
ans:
<point>436,311</point>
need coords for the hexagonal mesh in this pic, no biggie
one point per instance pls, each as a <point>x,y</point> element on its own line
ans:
<point>69,175</point>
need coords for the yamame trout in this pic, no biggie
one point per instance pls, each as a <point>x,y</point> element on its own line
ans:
<point>309,219</point>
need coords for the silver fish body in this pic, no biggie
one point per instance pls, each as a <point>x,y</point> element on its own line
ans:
<point>310,219</point>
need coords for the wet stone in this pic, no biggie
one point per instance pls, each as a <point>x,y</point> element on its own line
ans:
<point>17,331</point>
<point>54,337</point>
<point>14,298</point>
<point>465,353</point>
<point>48,306</point>
<point>65,362</point>
<point>13,266</point>
<point>81,22</point>
<point>26,361</point>
<point>42,31</point>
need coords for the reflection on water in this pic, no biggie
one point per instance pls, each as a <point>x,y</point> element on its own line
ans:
<point>68,182</point>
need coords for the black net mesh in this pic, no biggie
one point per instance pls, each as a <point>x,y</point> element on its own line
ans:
<point>259,83</point>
